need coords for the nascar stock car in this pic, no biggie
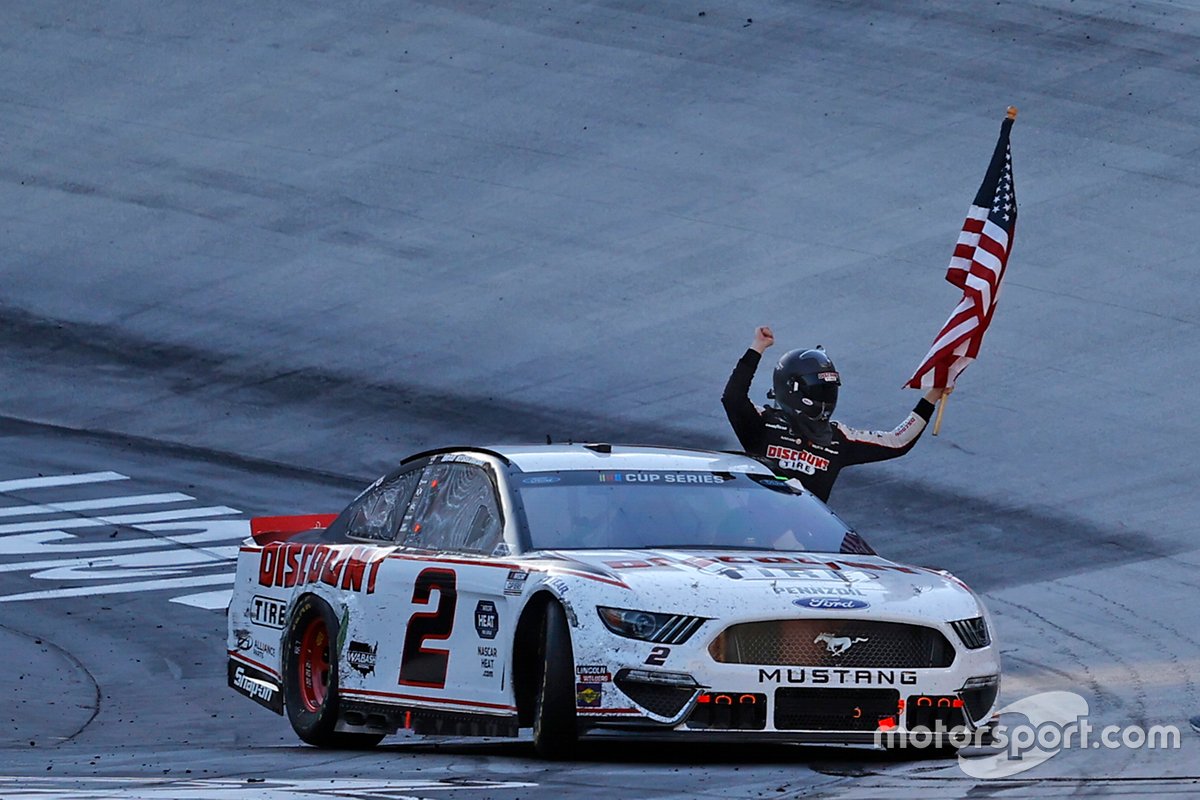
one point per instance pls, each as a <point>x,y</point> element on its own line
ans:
<point>590,590</point>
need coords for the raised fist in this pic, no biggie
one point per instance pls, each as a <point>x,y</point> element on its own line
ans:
<point>763,338</point>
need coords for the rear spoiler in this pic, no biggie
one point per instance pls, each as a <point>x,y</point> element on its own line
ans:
<point>265,530</point>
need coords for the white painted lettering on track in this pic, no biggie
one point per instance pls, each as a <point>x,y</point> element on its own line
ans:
<point>155,541</point>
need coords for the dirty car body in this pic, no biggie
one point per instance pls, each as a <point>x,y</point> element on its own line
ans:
<point>596,590</point>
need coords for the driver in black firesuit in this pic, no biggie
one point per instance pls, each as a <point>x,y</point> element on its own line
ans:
<point>797,435</point>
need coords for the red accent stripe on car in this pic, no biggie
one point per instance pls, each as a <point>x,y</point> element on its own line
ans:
<point>610,581</point>
<point>424,699</point>
<point>467,561</point>
<point>237,656</point>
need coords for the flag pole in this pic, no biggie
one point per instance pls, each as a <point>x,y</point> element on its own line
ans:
<point>937,423</point>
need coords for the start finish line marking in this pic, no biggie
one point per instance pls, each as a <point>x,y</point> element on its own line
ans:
<point>143,547</point>
<point>40,788</point>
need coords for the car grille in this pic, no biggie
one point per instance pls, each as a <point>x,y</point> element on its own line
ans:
<point>832,643</point>
<point>665,701</point>
<point>973,632</point>
<point>834,709</point>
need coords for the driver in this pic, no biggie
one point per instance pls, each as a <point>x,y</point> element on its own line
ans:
<point>797,434</point>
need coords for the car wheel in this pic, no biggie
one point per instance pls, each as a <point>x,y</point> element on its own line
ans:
<point>555,734</point>
<point>310,677</point>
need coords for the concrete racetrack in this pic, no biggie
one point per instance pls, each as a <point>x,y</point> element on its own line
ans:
<point>257,253</point>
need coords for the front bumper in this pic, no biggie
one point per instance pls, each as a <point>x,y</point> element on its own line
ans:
<point>794,705</point>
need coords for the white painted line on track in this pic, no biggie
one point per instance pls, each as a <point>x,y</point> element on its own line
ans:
<point>60,480</point>
<point>128,561</point>
<point>102,502</point>
<point>120,588</point>
<point>18,788</point>
<point>117,519</point>
<point>45,542</point>
<point>209,601</point>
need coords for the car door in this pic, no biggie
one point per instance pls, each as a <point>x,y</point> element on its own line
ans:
<point>445,596</point>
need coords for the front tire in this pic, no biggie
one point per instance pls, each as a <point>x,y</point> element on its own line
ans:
<point>310,676</point>
<point>555,732</point>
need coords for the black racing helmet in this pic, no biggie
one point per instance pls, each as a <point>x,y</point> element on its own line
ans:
<point>806,384</point>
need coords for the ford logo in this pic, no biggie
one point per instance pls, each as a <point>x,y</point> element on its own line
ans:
<point>830,603</point>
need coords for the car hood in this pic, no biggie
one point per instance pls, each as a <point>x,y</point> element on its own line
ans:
<point>716,583</point>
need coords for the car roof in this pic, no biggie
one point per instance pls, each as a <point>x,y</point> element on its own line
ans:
<point>550,457</point>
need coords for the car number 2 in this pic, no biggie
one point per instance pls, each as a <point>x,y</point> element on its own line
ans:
<point>421,665</point>
<point>658,656</point>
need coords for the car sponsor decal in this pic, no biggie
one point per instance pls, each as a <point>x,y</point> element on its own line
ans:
<point>487,661</point>
<point>771,567</point>
<point>593,673</point>
<point>268,612</point>
<point>824,591</point>
<point>514,585</point>
<point>831,603</point>
<point>255,684</point>
<point>838,677</point>
<point>354,569</point>
<point>361,657</point>
<point>589,695</point>
<point>487,619</point>
<point>677,478</point>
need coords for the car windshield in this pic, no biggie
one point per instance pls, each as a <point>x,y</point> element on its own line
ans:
<point>585,509</point>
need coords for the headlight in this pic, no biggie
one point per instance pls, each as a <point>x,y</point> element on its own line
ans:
<point>650,626</point>
<point>973,632</point>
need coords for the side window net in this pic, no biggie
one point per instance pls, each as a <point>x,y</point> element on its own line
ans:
<point>454,509</point>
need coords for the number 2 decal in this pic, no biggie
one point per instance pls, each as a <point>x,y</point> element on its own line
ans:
<point>421,665</point>
<point>658,656</point>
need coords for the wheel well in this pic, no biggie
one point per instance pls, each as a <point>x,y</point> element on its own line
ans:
<point>525,662</point>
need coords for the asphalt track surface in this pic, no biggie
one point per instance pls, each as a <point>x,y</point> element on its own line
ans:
<point>254,253</point>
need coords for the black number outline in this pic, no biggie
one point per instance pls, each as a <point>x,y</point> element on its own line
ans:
<point>427,666</point>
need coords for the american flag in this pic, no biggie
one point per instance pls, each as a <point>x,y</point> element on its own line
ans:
<point>977,267</point>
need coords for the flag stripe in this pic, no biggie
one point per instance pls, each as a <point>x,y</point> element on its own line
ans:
<point>976,267</point>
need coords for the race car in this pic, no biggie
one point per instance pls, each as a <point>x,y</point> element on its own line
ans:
<point>593,590</point>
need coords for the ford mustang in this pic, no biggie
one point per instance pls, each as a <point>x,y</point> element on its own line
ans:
<point>583,591</point>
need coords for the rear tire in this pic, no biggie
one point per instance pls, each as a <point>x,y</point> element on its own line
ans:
<point>555,731</point>
<point>310,674</point>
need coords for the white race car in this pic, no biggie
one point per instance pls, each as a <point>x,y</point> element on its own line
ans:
<point>598,590</point>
